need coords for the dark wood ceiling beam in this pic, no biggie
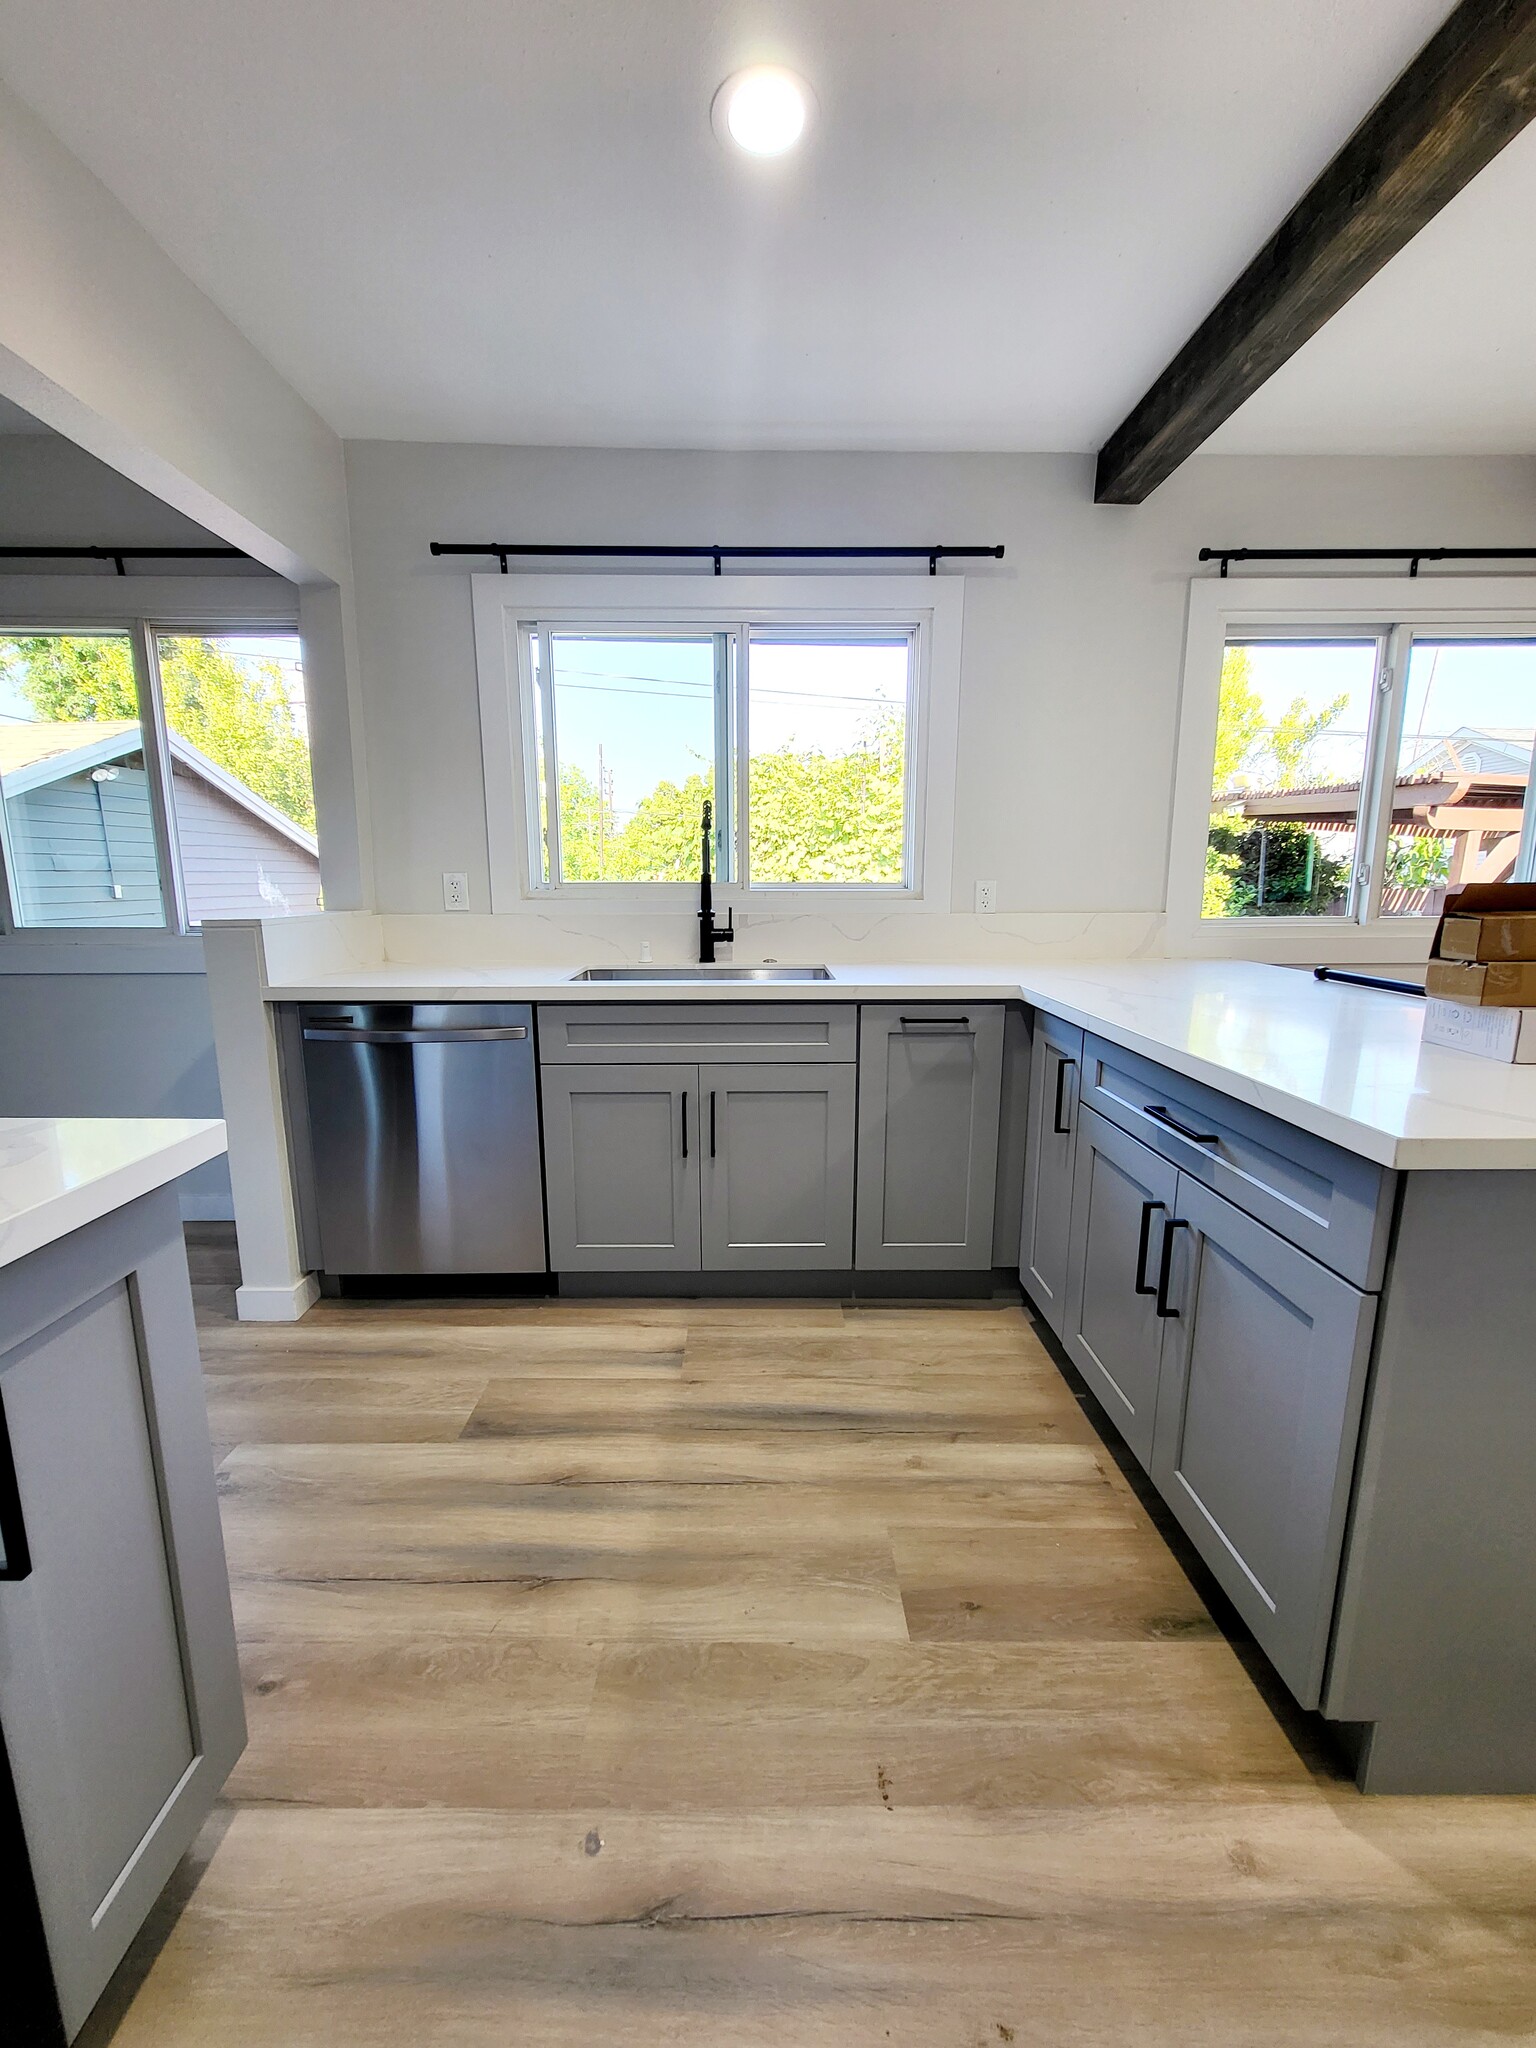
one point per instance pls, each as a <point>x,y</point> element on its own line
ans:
<point>1469,91</point>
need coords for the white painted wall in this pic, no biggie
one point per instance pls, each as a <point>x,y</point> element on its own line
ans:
<point>1071,674</point>
<point>103,338</point>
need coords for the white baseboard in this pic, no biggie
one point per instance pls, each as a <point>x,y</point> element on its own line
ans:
<point>207,1208</point>
<point>277,1304</point>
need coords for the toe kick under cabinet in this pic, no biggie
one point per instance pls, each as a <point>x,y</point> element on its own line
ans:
<point>1343,1432</point>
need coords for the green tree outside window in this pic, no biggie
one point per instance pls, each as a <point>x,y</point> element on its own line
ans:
<point>234,710</point>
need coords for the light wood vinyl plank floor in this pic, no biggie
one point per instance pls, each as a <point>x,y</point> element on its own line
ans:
<point>750,1673</point>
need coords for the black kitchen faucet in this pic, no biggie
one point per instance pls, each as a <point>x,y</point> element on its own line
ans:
<point>710,933</point>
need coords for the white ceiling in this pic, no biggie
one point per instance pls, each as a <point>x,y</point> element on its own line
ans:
<point>512,222</point>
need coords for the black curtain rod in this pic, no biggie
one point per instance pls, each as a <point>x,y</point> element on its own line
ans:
<point>1412,556</point>
<point>502,549</point>
<point>124,555</point>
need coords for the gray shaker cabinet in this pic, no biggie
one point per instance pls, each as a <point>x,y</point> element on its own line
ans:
<point>119,1682</point>
<point>1263,1374</point>
<point>621,1167</point>
<point>1123,1194</point>
<point>777,1147</point>
<point>930,1086</point>
<point>652,1168</point>
<point>1045,1242</point>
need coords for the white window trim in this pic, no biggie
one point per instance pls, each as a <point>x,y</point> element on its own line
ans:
<point>1220,608</point>
<point>935,605</point>
<point>135,605</point>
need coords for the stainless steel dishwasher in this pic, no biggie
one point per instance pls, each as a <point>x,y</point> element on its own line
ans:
<point>424,1125</point>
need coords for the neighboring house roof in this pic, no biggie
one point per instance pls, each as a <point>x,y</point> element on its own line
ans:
<point>37,753</point>
<point>1477,749</point>
<point>50,749</point>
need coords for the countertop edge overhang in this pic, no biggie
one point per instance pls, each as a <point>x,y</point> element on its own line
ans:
<point>1344,1063</point>
<point>58,1174</point>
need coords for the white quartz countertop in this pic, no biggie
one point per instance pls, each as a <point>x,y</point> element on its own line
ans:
<point>59,1173</point>
<point>1344,1063</point>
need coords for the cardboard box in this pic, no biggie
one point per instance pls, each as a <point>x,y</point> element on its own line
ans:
<point>1509,936</point>
<point>1480,900</point>
<point>1500,984</point>
<point>1493,1034</point>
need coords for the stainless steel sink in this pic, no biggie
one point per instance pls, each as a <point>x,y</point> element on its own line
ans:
<point>703,973</point>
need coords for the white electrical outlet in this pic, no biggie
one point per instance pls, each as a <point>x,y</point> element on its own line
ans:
<point>986,896</point>
<point>455,892</point>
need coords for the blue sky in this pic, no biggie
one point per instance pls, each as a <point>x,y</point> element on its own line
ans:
<point>1449,685</point>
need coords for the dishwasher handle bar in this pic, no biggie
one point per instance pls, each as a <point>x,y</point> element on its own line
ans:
<point>448,1034</point>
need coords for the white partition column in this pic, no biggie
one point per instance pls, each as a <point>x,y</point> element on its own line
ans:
<point>274,1287</point>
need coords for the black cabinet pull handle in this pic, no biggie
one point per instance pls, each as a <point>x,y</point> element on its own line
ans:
<point>685,1123</point>
<point>1148,1211</point>
<point>1062,1063</point>
<point>711,1123</point>
<point>1165,1265</point>
<point>1165,1116</point>
<point>906,1023</point>
<point>13,1528</point>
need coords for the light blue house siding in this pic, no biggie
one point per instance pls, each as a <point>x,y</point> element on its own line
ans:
<point>83,852</point>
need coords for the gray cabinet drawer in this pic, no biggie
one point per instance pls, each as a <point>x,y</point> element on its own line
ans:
<point>1330,1202</point>
<point>773,1033</point>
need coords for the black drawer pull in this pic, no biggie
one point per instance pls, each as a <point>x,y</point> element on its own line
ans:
<point>1062,1063</point>
<point>1148,1211</point>
<point>1164,1116</point>
<point>961,1023</point>
<point>13,1528</point>
<point>685,1123</point>
<point>711,1123</point>
<point>1165,1265</point>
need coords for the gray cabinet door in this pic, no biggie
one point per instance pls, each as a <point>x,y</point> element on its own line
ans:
<point>777,1147</point>
<point>1122,1198</point>
<point>930,1082</point>
<point>1045,1240</point>
<point>119,1683</point>
<point>621,1168</point>
<point>1258,1413</point>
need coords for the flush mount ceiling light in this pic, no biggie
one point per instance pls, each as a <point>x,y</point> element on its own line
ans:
<point>764,110</point>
